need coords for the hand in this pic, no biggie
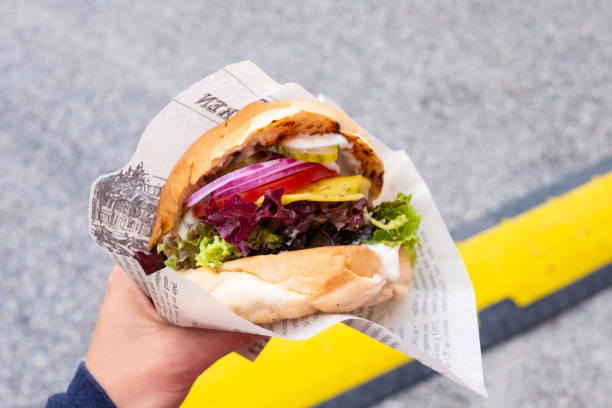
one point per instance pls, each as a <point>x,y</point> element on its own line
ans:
<point>140,359</point>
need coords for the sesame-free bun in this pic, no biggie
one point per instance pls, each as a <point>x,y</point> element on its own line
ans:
<point>258,123</point>
<point>336,279</point>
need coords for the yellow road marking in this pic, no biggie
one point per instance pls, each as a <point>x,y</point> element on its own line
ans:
<point>294,373</point>
<point>542,250</point>
<point>524,258</point>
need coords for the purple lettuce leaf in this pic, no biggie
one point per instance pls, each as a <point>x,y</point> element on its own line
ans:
<point>150,261</point>
<point>302,224</point>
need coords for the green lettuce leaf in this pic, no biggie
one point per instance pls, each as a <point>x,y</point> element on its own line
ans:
<point>263,240</point>
<point>396,223</point>
<point>201,246</point>
<point>214,251</point>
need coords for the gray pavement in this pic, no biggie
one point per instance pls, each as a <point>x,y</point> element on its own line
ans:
<point>562,363</point>
<point>492,100</point>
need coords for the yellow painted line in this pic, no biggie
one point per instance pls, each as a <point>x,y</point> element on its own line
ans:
<point>544,249</point>
<point>294,373</point>
<point>524,258</point>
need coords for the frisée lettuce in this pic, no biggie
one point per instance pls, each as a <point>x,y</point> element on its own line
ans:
<point>201,246</point>
<point>215,251</point>
<point>396,223</point>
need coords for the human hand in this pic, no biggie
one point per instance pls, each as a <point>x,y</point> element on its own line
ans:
<point>140,359</point>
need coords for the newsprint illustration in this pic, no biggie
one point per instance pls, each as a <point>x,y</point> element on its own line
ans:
<point>123,209</point>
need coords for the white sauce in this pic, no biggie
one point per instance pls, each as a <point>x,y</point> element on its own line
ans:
<point>389,257</point>
<point>307,141</point>
<point>185,225</point>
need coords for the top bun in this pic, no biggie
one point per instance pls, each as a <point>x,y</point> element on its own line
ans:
<point>259,123</point>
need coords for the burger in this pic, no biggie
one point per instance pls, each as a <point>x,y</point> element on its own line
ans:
<point>272,213</point>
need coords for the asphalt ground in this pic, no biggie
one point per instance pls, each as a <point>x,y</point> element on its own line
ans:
<point>492,100</point>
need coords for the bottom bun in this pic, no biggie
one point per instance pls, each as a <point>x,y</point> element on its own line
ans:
<point>336,279</point>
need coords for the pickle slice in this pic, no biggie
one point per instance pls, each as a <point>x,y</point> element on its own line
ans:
<point>331,189</point>
<point>325,154</point>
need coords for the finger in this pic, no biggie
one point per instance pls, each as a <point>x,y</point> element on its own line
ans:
<point>207,345</point>
<point>118,280</point>
<point>123,292</point>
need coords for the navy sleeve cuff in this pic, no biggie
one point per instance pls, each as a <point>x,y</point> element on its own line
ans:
<point>83,392</point>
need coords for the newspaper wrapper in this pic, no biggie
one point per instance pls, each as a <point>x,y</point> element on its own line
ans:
<point>434,323</point>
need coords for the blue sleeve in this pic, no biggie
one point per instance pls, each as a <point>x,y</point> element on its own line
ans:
<point>83,392</point>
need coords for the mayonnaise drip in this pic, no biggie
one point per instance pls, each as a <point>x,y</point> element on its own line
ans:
<point>185,225</point>
<point>389,258</point>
